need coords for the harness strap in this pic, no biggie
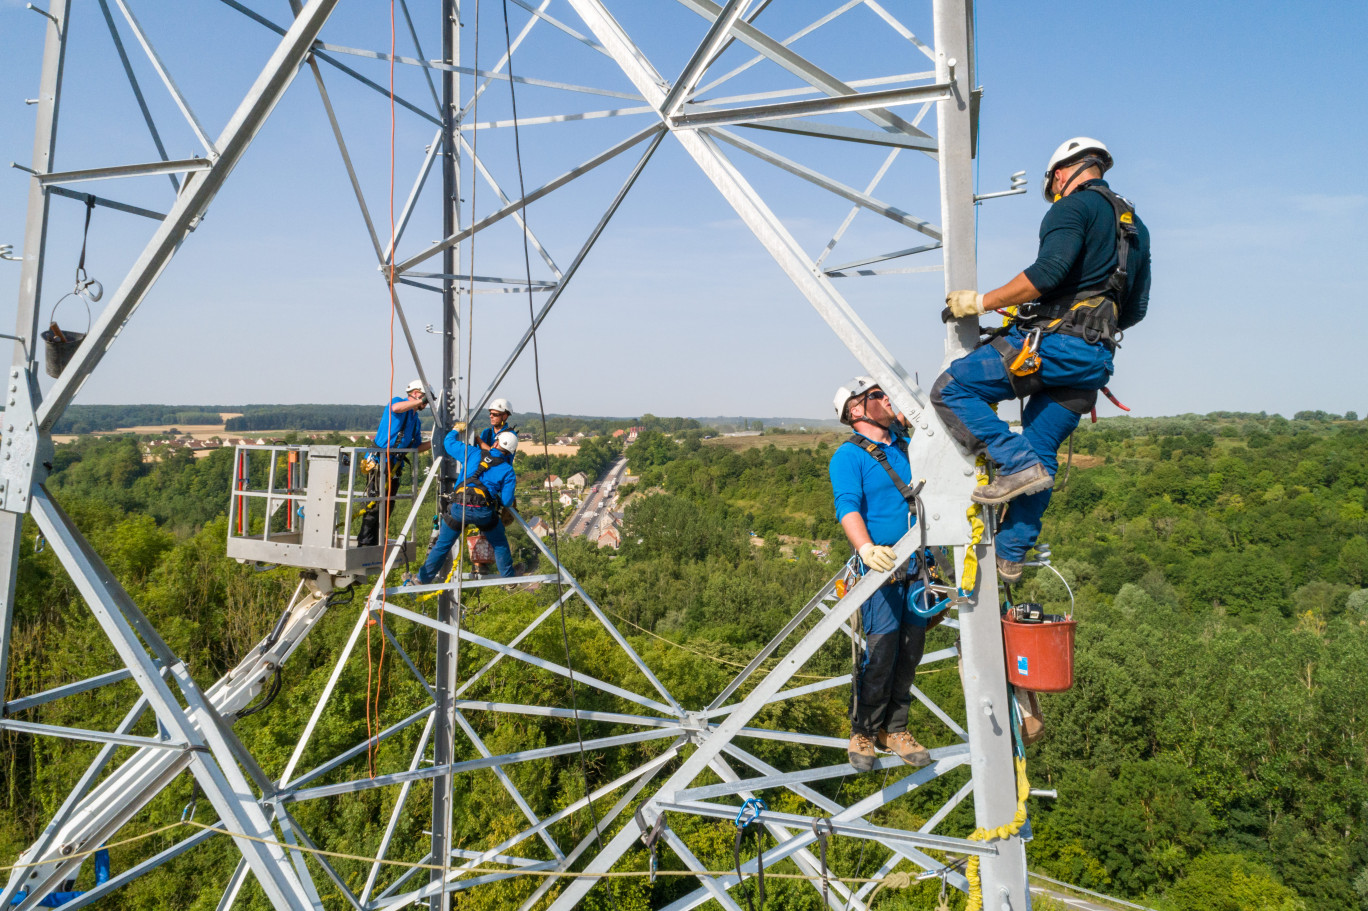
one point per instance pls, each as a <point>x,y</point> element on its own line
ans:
<point>1093,313</point>
<point>907,492</point>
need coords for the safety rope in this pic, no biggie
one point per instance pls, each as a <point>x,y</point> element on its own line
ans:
<point>541,407</point>
<point>969,578</point>
<point>375,669</point>
<point>892,881</point>
<point>971,871</point>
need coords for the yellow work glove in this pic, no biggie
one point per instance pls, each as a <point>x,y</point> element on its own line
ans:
<point>459,426</point>
<point>877,557</point>
<point>964,303</point>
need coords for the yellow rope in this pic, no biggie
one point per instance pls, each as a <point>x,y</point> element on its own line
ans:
<point>971,869</point>
<point>969,578</point>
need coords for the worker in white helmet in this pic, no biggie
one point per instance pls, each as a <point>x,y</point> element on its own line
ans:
<point>486,485</point>
<point>1090,281</point>
<point>400,429</point>
<point>871,479</point>
<point>500,410</point>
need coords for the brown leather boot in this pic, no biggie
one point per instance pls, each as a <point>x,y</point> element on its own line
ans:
<point>1009,571</point>
<point>861,752</point>
<point>1010,486</point>
<point>906,746</point>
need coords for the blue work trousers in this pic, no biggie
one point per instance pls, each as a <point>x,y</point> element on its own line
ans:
<point>895,638</point>
<point>973,383</point>
<point>446,539</point>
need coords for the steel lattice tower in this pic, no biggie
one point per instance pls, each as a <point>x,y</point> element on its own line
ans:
<point>715,132</point>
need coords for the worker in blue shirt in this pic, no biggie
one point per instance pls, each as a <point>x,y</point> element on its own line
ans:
<point>485,486</point>
<point>875,515</point>
<point>57,899</point>
<point>400,428</point>
<point>1090,281</point>
<point>500,410</point>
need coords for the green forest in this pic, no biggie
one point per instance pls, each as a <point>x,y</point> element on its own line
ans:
<point>1212,753</point>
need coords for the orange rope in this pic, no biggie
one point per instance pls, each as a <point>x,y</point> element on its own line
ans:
<point>374,674</point>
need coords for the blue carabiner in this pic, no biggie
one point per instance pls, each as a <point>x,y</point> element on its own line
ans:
<point>753,805</point>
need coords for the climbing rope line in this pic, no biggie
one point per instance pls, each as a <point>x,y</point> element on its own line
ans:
<point>541,407</point>
<point>895,880</point>
<point>375,669</point>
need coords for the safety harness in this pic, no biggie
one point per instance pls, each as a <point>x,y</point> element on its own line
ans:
<point>473,494</point>
<point>1091,313</point>
<point>919,563</point>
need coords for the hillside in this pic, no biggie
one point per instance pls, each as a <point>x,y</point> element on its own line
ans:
<point>1213,752</point>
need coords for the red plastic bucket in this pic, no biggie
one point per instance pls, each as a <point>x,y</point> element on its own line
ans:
<point>1039,655</point>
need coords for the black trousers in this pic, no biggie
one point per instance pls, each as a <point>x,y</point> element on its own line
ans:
<point>895,638</point>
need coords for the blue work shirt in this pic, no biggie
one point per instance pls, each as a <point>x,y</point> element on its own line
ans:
<point>861,485</point>
<point>465,461</point>
<point>1078,252</point>
<point>487,435</point>
<point>399,431</point>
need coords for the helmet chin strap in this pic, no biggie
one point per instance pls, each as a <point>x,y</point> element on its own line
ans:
<point>1084,164</point>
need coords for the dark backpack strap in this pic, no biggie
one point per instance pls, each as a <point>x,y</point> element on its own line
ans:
<point>908,493</point>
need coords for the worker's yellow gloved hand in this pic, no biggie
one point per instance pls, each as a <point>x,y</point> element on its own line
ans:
<point>964,303</point>
<point>877,557</point>
<point>459,426</point>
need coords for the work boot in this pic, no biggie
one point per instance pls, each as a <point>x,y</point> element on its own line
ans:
<point>1010,486</point>
<point>861,752</point>
<point>1009,571</point>
<point>906,746</point>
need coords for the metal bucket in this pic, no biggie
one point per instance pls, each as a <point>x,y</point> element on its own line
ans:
<point>61,346</point>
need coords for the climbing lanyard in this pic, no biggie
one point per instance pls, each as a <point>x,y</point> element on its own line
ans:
<point>818,825</point>
<point>650,837</point>
<point>750,813</point>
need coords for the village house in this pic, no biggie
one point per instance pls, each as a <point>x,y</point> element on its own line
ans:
<point>567,500</point>
<point>540,527</point>
<point>553,483</point>
<point>609,536</point>
<point>577,480</point>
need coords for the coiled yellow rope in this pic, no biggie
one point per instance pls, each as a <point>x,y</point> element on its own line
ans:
<point>971,869</point>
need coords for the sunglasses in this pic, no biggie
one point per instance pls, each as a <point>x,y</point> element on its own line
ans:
<point>876,394</point>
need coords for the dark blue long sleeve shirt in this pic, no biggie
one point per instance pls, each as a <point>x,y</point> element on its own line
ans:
<point>1078,251</point>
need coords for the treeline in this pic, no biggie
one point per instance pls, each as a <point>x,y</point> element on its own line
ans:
<point>93,418</point>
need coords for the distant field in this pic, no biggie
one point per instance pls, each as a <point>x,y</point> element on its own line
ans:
<point>780,440</point>
<point>810,441</point>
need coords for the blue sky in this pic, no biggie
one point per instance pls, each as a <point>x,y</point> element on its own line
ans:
<point>1238,131</point>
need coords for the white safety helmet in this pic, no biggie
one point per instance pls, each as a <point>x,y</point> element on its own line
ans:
<point>858,386</point>
<point>501,405</point>
<point>1071,151</point>
<point>507,441</point>
<point>415,386</point>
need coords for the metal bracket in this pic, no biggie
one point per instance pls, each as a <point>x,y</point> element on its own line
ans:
<point>25,454</point>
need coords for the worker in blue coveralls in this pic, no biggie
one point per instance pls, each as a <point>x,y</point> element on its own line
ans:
<point>57,899</point>
<point>485,486</point>
<point>400,428</point>
<point>500,410</point>
<point>875,513</point>
<point>1090,281</point>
